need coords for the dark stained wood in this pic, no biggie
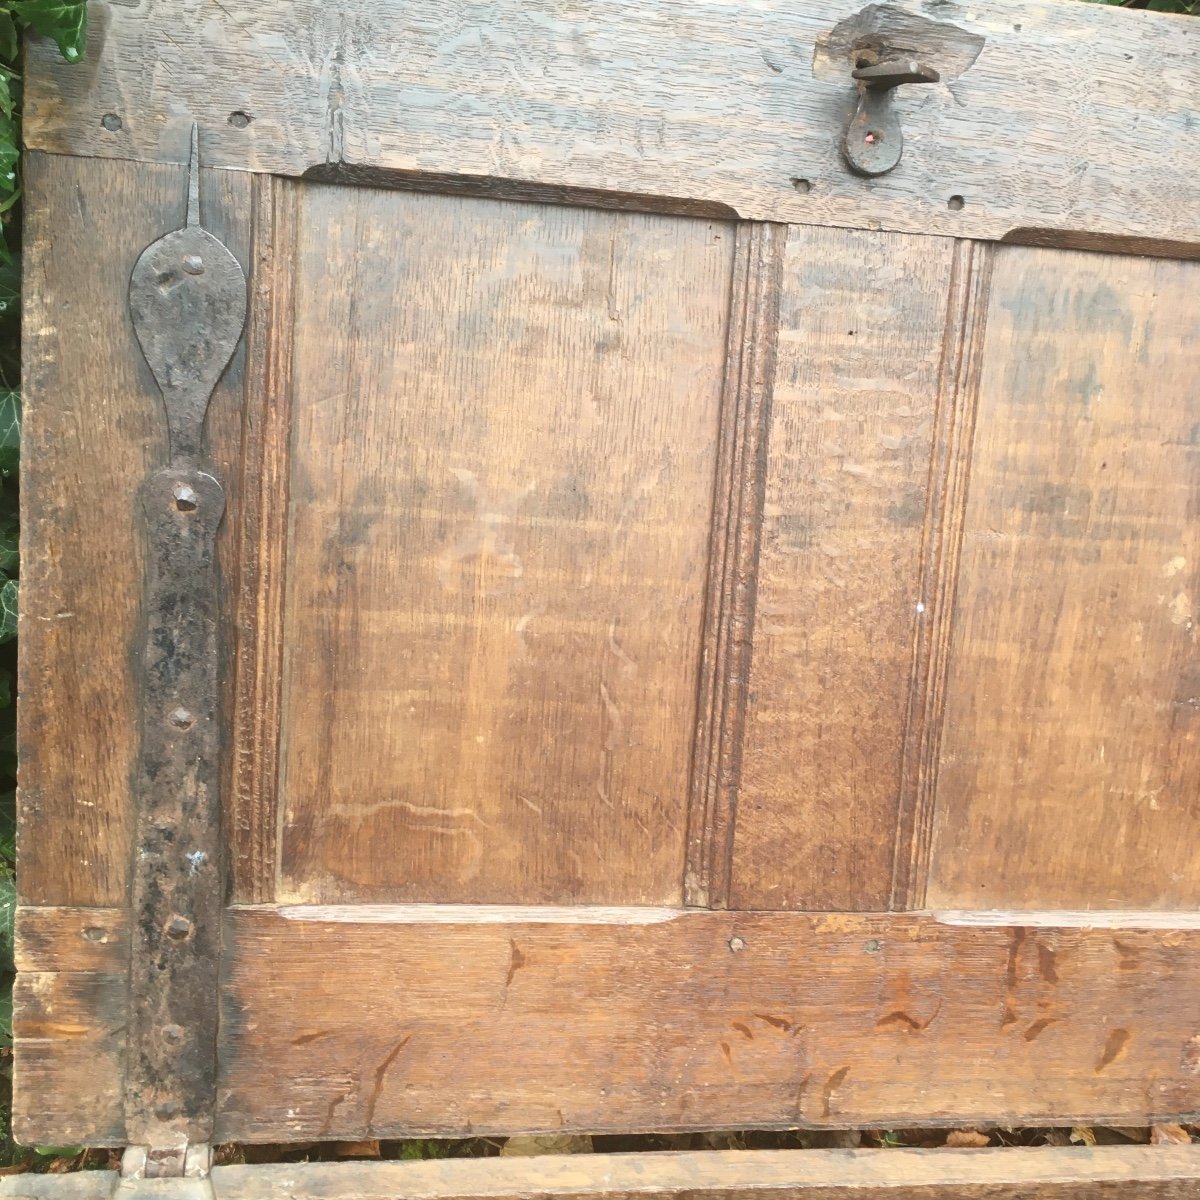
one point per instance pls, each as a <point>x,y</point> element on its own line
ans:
<point>257,645</point>
<point>733,563</point>
<point>70,1010</point>
<point>503,459</point>
<point>436,1020</point>
<point>863,321</point>
<point>1098,1173</point>
<point>730,104</point>
<point>1070,756</point>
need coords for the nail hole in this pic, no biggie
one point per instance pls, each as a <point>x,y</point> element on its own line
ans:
<point>873,946</point>
<point>239,119</point>
<point>867,59</point>
<point>111,122</point>
<point>185,498</point>
<point>955,203</point>
<point>803,186</point>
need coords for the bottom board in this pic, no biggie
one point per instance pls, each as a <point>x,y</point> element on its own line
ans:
<point>1104,1173</point>
<point>355,1021</point>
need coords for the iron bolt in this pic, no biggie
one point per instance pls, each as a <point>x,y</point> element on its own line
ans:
<point>178,927</point>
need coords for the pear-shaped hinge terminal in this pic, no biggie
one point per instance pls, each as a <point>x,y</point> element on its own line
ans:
<point>874,140</point>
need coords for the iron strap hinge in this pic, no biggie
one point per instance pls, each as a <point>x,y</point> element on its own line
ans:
<point>187,301</point>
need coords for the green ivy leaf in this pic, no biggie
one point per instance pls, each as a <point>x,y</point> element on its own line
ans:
<point>8,912</point>
<point>10,543</point>
<point>8,610</point>
<point>10,289</point>
<point>10,429</point>
<point>9,41</point>
<point>8,832</point>
<point>63,20</point>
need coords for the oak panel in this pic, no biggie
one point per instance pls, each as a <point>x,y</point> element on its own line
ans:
<point>503,463</point>
<point>635,1020</point>
<point>724,104</point>
<point>1070,758</point>
<point>863,317</point>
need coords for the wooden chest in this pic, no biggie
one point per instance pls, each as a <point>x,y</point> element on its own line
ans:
<point>699,636</point>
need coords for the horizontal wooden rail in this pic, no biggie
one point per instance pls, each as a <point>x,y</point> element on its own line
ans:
<point>1048,1173</point>
<point>1049,117</point>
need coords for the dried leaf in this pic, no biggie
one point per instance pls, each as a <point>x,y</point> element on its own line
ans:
<point>364,1149</point>
<point>962,1138</point>
<point>1169,1135</point>
<point>554,1143</point>
<point>1081,1135</point>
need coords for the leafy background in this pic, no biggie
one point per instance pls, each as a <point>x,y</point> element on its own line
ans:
<point>65,21</point>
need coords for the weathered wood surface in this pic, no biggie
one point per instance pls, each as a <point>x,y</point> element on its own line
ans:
<point>725,106</point>
<point>863,320</point>
<point>92,430</point>
<point>1045,1173</point>
<point>1070,755</point>
<point>729,606</point>
<point>70,1011</point>
<point>501,487</point>
<point>709,1019</point>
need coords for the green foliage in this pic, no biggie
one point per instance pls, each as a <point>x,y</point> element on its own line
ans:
<point>1187,8</point>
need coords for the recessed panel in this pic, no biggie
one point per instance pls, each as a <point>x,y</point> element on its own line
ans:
<point>505,421</point>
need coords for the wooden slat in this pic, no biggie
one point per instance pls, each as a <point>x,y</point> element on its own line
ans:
<point>93,426</point>
<point>733,563</point>
<point>257,651</point>
<point>1070,756</point>
<point>82,1185</point>
<point>711,1019</point>
<point>732,106</point>
<point>1044,1173</point>
<point>503,457</point>
<point>863,318</point>
<point>70,1009</point>
<point>1101,1173</point>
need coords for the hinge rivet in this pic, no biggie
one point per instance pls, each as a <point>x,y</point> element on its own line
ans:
<point>173,1034</point>
<point>178,927</point>
<point>181,718</point>
<point>185,498</point>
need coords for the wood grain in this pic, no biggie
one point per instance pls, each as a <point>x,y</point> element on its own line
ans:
<point>1097,1173</point>
<point>863,319</point>
<point>257,645</point>
<point>93,427</point>
<point>954,431</point>
<point>503,463</point>
<point>709,1020</point>
<point>733,563</point>
<point>1070,757</point>
<point>723,102</point>
<point>1044,1173</point>
<point>70,1010</point>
